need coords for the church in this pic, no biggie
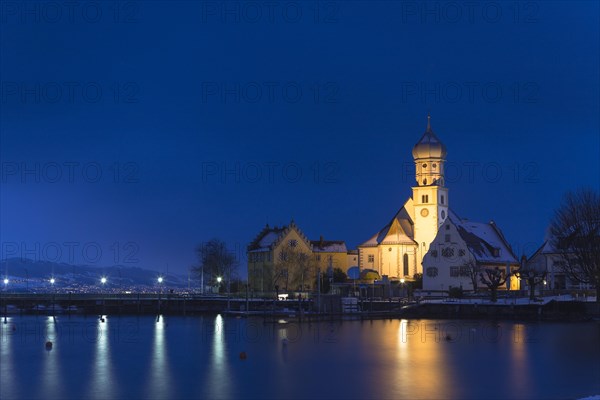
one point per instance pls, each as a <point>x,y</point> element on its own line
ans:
<point>413,241</point>
<point>397,250</point>
<point>423,237</point>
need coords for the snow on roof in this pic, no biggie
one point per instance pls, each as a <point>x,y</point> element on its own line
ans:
<point>398,230</point>
<point>268,239</point>
<point>330,246</point>
<point>485,241</point>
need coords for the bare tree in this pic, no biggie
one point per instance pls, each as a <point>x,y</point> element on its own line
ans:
<point>575,230</point>
<point>533,276</point>
<point>493,278</point>
<point>473,269</point>
<point>214,261</point>
<point>292,270</point>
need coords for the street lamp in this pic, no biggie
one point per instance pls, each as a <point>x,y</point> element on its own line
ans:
<point>52,281</point>
<point>219,279</point>
<point>5,281</point>
<point>103,280</point>
<point>160,280</point>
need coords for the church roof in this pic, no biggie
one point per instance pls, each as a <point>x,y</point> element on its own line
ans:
<point>429,146</point>
<point>485,241</point>
<point>398,231</point>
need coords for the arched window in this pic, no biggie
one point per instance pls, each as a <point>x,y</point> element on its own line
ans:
<point>405,262</point>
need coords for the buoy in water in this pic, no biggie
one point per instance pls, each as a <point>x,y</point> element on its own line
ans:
<point>48,345</point>
<point>243,355</point>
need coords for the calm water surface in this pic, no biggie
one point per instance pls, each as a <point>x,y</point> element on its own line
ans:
<point>199,357</point>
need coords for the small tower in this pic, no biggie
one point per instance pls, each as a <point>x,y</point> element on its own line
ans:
<point>430,197</point>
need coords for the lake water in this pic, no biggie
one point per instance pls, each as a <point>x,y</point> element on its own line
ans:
<point>199,357</point>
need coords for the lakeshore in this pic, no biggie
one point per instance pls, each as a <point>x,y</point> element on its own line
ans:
<point>557,308</point>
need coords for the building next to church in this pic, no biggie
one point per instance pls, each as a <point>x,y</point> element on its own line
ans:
<point>283,258</point>
<point>418,234</point>
<point>460,252</point>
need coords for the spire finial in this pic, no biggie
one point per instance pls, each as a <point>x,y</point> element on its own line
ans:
<point>428,121</point>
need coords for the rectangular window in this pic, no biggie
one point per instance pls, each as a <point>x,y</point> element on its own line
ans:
<point>371,258</point>
<point>454,271</point>
<point>464,271</point>
<point>318,257</point>
<point>447,238</point>
<point>442,199</point>
<point>425,198</point>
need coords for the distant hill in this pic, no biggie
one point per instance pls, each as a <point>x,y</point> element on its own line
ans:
<point>29,274</point>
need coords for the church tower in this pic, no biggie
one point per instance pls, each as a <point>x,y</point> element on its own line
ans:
<point>430,196</point>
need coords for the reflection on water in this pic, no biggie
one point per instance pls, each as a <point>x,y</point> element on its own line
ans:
<point>103,383</point>
<point>51,374</point>
<point>8,384</point>
<point>519,359</point>
<point>178,358</point>
<point>218,378</point>
<point>160,374</point>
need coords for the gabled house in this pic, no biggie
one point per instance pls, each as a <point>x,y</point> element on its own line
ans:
<point>461,250</point>
<point>283,259</point>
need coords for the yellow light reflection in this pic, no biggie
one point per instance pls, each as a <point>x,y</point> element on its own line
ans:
<point>520,366</point>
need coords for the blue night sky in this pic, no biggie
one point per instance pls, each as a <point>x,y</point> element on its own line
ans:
<point>141,129</point>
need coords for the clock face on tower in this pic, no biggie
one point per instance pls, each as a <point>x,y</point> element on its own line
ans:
<point>424,212</point>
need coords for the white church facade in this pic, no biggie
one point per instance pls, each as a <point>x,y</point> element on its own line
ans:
<point>403,247</point>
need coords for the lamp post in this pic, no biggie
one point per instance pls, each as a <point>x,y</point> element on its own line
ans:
<point>219,279</point>
<point>402,285</point>
<point>5,305</point>
<point>103,281</point>
<point>52,281</point>
<point>160,281</point>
